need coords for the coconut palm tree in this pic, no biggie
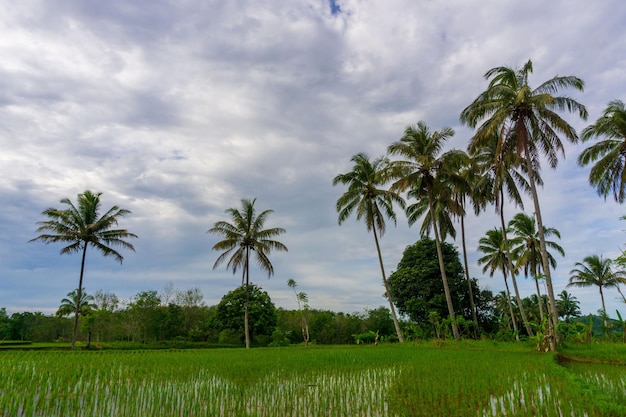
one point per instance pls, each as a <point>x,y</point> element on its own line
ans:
<point>494,247</point>
<point>429,174</point>
<point>81,226</point>
<point>371,203</point>
<point>68,305</point>
<point>528,118</point>
<point>476,188</point>
<point>241,237</point>
<point>420,209</point>
<point>609,172</point>
<point>502,304</point>
<point>598,271</point>
<point>569,306</point>
<point>527,249</point>
<point>502,174</point>
<point>303,309</point>
<point>85,309</point>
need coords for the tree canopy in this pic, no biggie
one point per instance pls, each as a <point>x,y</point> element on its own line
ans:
<point>261,313</point>
<point>417,287</point>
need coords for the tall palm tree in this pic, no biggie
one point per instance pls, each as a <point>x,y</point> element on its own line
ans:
<point>528,118</point>
<point>609,172</point>
<point>476,188</point>
<point>303,309</point>
<point>527,249</point>
<point>496,257</point>
<point>81,226</point>
<point>429,174</point>
<point>244,235</point>
<point>598,271</point>
<point>503,174</point>
<point>372,204</point>
<point>444,206</point>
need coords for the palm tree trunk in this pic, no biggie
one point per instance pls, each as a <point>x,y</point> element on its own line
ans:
<point>606,324</point>
<point>467,277</point>
<point>508,300</point>
<point>387,293</point>
<point>246,327</point>
<point>619,290</point>
<point>442,269</point>
<point>305,331</point>
<point>553,313</point>
<point>522,312</point>
<point>539,299</point>
<point>79,296</point>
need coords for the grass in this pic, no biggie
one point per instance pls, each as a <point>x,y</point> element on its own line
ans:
<point>614,353</point>
<point>413,379</point>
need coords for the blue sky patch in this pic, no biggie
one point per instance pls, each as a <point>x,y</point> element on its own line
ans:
<point>334,7</point>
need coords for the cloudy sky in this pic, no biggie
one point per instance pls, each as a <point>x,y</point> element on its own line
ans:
<point>176,110</point>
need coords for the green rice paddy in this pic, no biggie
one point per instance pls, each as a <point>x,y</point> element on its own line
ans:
<point>423,379</point>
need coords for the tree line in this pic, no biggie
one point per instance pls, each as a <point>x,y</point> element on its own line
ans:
<point>182,316</point>
<point>150,318</point>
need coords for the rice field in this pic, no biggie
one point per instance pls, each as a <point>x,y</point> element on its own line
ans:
<point>467,379</point>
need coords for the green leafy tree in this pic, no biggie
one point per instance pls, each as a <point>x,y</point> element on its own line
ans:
<point>262,312</point>
<point>38,327</point>
<point>608,174</point>
<point>81,226</point>
<point>527,117</point>
<point>417,286</point>
<point>192,307</point>
<point>5,325</point>
<point>329,327</point>
<point>106,324</point>
<point>146,316</point>
<point>597,271</point>
<point>429,175</point>
<point>241,237</point>
<point>371,203</point>
<point>379,321</point>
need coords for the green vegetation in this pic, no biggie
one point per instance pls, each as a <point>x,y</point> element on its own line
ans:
<point>411,379</point>
<point>417,287</point>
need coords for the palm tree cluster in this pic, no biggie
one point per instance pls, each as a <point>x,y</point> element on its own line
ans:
<point>516,127</point>
<point>521,252</point>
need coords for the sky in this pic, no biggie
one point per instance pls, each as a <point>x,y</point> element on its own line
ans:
<point>177,110</point>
